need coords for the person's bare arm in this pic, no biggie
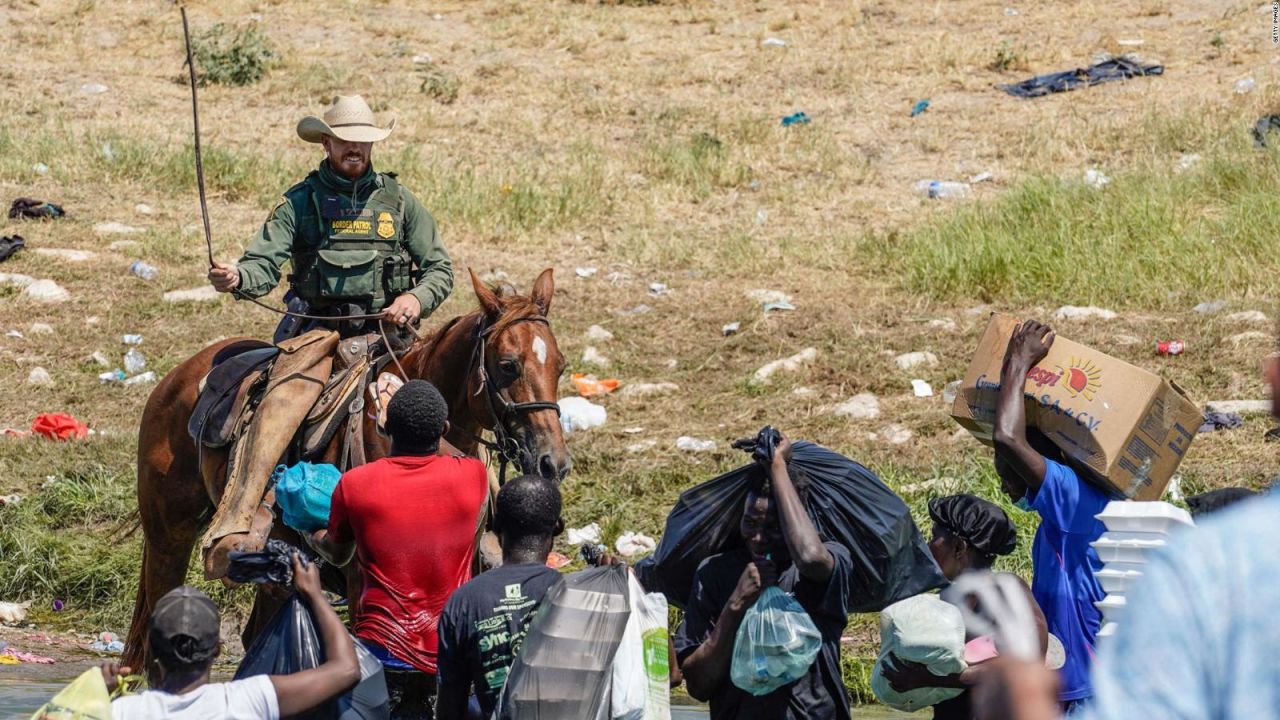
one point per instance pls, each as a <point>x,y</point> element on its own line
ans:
<point>455,687</point>
<point>306,689</point>
<point>1028,345</point>
<point>1016,690</point>
<point>331,550</point>
<point>811,557</point>
<point>708,666</point>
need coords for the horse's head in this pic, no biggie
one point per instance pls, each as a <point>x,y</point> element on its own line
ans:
<point>521,365</point>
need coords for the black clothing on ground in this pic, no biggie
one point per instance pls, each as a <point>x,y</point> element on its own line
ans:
<point>1113,69</point>
<point>820,694</point>
<point>484,623</point>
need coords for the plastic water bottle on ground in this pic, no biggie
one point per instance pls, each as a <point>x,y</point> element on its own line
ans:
<point>114,376</point>
<point>143,270</point>
<point>944,189</point>
<point>146,377</point>
<point>131,339</point>
<point>134,361</point>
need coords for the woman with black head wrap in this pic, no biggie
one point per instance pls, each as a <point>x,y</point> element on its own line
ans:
<point>969,533</point>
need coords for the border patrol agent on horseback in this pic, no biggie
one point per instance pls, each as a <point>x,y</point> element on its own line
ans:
<point>358,244</point>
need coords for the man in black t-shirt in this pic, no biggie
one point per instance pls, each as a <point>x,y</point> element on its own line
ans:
<point>782,548</point>
<point>485,621</point>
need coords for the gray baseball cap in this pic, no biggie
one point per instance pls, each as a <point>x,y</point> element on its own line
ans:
<point>185,626</point>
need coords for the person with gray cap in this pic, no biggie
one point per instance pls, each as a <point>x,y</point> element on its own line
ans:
<point>184,640</point>
<point>357,240</point>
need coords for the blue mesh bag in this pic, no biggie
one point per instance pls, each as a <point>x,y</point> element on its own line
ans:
<point>303,493</point>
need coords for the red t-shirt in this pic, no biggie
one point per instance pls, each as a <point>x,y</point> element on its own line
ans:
<point>413,520</point>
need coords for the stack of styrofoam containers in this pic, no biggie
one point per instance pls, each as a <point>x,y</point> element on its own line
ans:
<point>1134,530</point>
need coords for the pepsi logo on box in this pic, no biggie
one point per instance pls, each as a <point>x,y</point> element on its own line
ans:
<point>1128,427</point>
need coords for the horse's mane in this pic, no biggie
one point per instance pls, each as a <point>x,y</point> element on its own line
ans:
<point>514,309</point>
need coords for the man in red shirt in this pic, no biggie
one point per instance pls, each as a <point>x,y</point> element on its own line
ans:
<point>410,519</point>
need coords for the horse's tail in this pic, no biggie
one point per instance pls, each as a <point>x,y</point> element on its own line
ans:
<point>134,644</point>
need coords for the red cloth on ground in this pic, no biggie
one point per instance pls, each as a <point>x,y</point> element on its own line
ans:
<point>59,426</point>
<point>413,520</point>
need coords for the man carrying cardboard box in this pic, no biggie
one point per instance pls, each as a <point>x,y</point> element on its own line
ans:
<point>1037,476</point>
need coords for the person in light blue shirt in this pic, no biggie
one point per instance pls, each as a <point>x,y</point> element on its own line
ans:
<point>1036,475</point>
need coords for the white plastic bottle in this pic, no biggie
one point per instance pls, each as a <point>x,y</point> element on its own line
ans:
<point>946,189</point>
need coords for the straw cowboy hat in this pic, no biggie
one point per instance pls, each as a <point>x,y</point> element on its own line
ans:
<point>348,118</point>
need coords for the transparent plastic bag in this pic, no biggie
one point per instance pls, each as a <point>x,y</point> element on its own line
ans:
<point>776,643</point>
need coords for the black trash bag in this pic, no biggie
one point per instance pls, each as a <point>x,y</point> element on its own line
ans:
<point>1107,71</point>
<point>847,503</point>
<point>290,644</point>
<point>565,664</point>
<point>274,564</point>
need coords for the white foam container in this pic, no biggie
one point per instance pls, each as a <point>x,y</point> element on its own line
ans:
<point>1108,629</point>
<point>1138,566</point>
<point>1112,606</point>
<point>1157,517</point>
<point>1150,540</point>
<point>1117,581</point>
<point>1125,551</point>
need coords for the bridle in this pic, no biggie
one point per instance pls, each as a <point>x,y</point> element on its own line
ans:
<point>501,407</point>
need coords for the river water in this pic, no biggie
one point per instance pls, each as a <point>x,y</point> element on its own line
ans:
<point>19,699</point>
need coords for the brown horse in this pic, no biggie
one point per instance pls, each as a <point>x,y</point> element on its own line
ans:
<point>498,368</point>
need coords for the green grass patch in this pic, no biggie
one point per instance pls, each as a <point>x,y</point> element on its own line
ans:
<point>1146,239</point>
<point>229,56</point>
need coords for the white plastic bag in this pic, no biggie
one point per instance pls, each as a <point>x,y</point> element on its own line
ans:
<point>640,688</point>
<point>922,629</point>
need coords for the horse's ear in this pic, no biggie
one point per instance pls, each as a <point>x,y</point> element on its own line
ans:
<point>488,299</point>
<point>543,288</point>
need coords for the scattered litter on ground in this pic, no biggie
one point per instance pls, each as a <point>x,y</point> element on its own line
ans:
<point>555,560</point>
<point>942,189</point>
<point>422,59</point>
<point>1211,306</point>
<point>691,444</point>
<point>58,603</point>
<point>950,390</point>
<point>585,534</point>
<point>912,360</point>
<point>143,209</point>
<point>803,391</point>
<point>1214,421</point>
<point>134,361</point>
<point>40,168</point>
<point>1076,312</point>
<point>921,389</point>
<point>1096,179</point>
<point>93,88</point>
<point>1131,42</point>
<point>595,333</point>
<point>15,334</point>
<point>672,363</point>
<point>1264,127</point>
<point>1249,317</point>
<point>919,107</point>
<point>637,310</point>
<point>592,356</point>
<point>1245,86</point>
<point>1106,71</point>
<point>585,272</point>
<point>630,544</point>
<point>1188,161</point>
<point>778,305</point>
<point>145,378</point>
<point>46,291</point>
<point>41,329</point>
<point>1249,337</point>
<point>131,339</point>
<point>59,426</point>
<point>32,209</point>
<point>617,278</point>
<point>763,296</point>
<point>113,376</point>
<point>946,324</point>
<point>788,364</point>
<point>143,270</point>
<point>730,328</point>
<point>590,386</point>
<point>863,406</point>
<point>26,657</point>
<point>108,152</point>
<point>762,216</point>
<point>14,499</point>
<point>773,42</point>
<point>1170,347</point>
<point>796,119</point>
<point>107,642</point>
<point>578,414</point>
<point>641,446</point>
<point>1239,407</point>
<point>657,289</point>
<point>92,320</point>
<point>895,434</point>
<point>981,177</point>
<point>12,613</point>
<point>648,389</point>
<point>100,358</point>
<point>203,293</point>
<point>634,430</point>
<point>1010,12</point>
<point>67,254</point>
<point>39,377</point>
<point>10,244</point>
<point>116,228</point>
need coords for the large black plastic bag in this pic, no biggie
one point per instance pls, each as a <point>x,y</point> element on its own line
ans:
<point>290,644</point>
<point>565,665</point>
<point>847,503</point>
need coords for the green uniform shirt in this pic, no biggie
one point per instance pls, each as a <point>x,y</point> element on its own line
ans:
<point>282,233</point>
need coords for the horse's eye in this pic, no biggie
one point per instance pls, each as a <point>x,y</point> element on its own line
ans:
<point>509,368</point>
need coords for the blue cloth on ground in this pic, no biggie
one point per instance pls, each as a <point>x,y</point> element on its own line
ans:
<point>303,493</point>
<point>1063,566</point>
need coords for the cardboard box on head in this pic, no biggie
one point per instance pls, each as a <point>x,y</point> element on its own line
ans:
<point>1128,427</point>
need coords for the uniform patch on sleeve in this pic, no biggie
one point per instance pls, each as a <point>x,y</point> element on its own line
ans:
<point>283,201</point>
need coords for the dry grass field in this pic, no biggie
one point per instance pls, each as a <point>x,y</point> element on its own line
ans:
<point>644,139</point>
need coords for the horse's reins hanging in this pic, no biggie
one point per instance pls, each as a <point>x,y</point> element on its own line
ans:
<point>204,214</point>
<point>506,446</point>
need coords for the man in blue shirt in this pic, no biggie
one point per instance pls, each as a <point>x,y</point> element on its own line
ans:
<point>1035,474</point>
